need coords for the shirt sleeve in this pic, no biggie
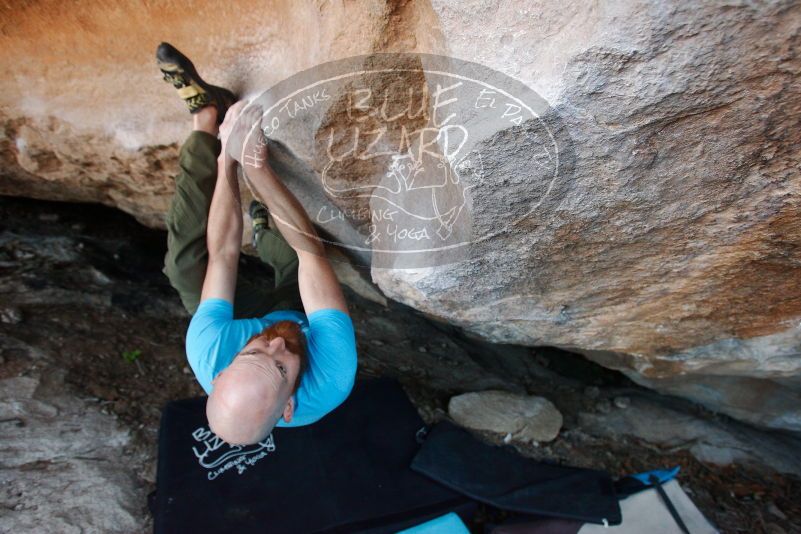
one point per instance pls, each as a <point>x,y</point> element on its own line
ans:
<point>212,340</point>
<point>332,341</point>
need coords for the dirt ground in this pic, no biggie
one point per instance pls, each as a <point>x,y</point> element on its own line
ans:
<point>118,329</point>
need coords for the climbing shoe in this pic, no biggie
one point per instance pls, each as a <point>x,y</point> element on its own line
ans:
<point>259,216</point>
<point>181,73</point>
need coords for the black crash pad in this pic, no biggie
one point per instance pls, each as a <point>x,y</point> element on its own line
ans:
<point>348,472</point>
<point>500,477</point>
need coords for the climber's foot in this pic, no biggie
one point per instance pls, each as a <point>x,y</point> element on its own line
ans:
<point>259,215</point>
<point>181,73</point>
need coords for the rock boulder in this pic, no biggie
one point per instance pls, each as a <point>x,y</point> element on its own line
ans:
<point>668,246</point>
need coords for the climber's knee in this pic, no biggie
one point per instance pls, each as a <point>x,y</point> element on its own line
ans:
<point>186,279</point>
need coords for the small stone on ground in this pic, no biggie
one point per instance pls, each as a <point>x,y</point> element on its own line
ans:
<point>526,418</point>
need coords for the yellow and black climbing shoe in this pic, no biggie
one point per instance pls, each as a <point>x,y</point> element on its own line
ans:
<point>259,216</point>
<point>181,73</point>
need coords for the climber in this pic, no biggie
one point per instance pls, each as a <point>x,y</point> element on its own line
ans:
<point>289,356</point>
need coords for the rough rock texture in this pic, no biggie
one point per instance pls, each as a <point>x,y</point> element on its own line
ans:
<point>55,446</point>
<point>522,418</point>
<point>715,442</point>
<point>671,250</point>
<point>669,247</point>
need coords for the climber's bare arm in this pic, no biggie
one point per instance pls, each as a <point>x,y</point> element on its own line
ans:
<point>223,235</point>
<point>319,287</point>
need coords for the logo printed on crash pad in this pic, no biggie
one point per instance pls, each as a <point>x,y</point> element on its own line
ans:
<point>217,456</point>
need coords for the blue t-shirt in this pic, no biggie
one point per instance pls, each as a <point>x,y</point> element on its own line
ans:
<point>214,338</point>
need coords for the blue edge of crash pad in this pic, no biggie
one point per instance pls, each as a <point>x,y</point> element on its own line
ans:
<point>664,475</point>
<point>446,524</point>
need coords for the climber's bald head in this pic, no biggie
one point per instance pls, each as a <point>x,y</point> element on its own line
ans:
<point>255,390</point>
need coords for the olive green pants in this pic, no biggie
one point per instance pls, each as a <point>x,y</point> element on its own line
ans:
<point>187,255</point>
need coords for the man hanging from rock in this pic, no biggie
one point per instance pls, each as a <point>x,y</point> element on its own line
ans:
<point>267,354</point>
